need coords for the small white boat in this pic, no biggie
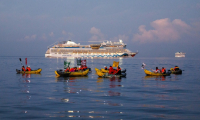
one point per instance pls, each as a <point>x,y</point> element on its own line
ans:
<point>180,54</point>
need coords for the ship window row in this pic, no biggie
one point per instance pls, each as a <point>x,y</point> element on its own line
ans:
<point>89,51</point>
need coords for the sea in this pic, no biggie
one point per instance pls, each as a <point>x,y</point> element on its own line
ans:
<point>136,97</point>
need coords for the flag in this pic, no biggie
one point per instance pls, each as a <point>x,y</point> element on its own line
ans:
<point>66,64</point>
<point>115,64</point>
<point>78,62</point>
<point>83,62</point>
<point>26,61</point>
<point>143,65</point>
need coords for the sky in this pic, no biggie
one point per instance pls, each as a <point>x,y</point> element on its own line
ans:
<point>154,28</point>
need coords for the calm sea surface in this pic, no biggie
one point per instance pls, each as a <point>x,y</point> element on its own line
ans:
<point>44,96</point>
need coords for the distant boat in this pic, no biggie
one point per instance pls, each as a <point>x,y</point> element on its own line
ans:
<point>180,54</point>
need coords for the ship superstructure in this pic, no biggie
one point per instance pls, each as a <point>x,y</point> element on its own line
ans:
<point>104,49</point>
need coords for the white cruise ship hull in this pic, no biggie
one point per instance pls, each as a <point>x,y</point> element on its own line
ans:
<point>87,55</point>
<point>106,49</point>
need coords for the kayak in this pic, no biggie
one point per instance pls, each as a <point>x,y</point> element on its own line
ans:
<point>107,71</point>
<point>147,72</point>
<point>106,75</point>
<point>70,74</point>
<point>176,72</point>
<point>29,72</point>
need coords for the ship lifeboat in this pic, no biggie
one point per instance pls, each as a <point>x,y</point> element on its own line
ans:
<point>95,46</point>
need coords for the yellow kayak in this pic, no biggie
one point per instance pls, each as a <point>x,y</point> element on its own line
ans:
<point>147,72</point>
<point>106,75</point>
<point>104,71</point>
<point>70,74</point>
<point>99,73</point>
<point>29,72</point>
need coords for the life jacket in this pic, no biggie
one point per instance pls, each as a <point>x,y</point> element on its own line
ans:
<point>110,70</point>
<point>67,70</point>
<point>118,71</point>
<point>176,68</point>
<point>157,70</point>
<point>72,70</point>
<point>105,68</point>
<point>29,69</point>
<point>163,70</point>
<point>23,69</point>
<point>80,68</point>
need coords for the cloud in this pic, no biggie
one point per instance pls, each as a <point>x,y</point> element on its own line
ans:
<point>164,30</point>
<point>68,34</point>
<point>96,34</point>
<point>64,32</point>
<point>122,37</point>
<point>29,38</point>
<point>44,37</point>
<point>51,34</point>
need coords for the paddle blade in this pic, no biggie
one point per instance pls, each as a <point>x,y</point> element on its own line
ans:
<point>20,59</point>
<point>26,61</point>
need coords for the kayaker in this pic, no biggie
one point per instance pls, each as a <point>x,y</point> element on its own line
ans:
<point>28,68</point>
<point>176,68</point>
<point>79,68</point>
<point>72,70</point>
<point>105,68</point>
<point>67,70</point>
<point>163,70</point>
<point>75,69</point>
<point>118,72</point>
<point>23,68</point>
<point>84,67</point>
<point>111,71</point>
<point>156,71</point>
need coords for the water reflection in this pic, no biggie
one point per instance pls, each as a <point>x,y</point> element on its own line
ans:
<point>160,78</point>
<point>72,84</point>
<point>69,79</point>
<point>24,85</point>
<point>84,114</point>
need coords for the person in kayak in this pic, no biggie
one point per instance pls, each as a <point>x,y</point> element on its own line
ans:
<point>23,68</point>
<point>156,71</point>
<point>118,72</point>
<point>163,70</point>
<point>111,71</point>
<point>28,68</point>
<point>176,68</point>
<point>72,70</point>
<point>105,68</point>
<point>67,70</point>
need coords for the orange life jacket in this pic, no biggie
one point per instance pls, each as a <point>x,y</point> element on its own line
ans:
<point>23,69</point>
<point>110,70</point>
<point>67,70</point>
<point>72,70</point>
<point>29,69</point>
<point>163,70</point>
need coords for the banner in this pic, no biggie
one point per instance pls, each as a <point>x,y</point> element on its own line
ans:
<point>83,62</point>
<point>26,61</point>
<point>78,62</point>
<point>115,64</point>
<point>66,64</point>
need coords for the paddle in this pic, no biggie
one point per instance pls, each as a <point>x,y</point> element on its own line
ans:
<point>20,61</point>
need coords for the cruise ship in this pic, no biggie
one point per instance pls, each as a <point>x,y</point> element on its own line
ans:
<point>180,54</point>
<point>104,49</point>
